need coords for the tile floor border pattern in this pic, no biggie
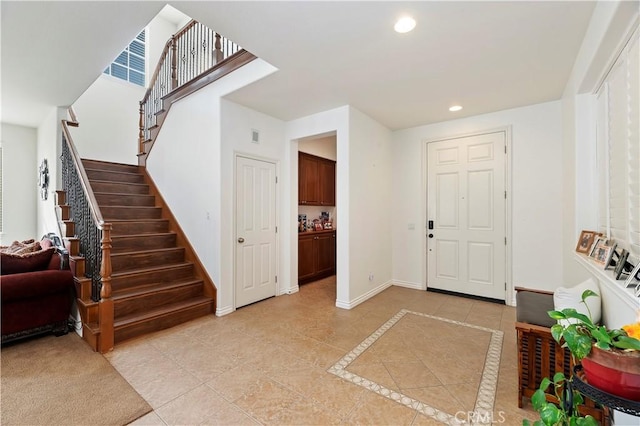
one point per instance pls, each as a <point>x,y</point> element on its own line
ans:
<point>486,391</point>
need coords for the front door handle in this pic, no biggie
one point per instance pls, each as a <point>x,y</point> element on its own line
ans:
<point>241,240</point>
<point>430,235</point>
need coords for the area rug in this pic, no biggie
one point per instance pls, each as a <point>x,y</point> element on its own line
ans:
<point>425,342</point>
<point>60,380</point>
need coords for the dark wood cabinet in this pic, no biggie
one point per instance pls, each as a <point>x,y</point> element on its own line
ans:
<point>316,180</point>
<point>316,255</point>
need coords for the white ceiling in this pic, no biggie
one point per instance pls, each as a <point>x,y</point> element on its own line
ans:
<point>486,56</point>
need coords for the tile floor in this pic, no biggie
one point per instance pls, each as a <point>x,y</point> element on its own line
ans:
<point>268,363</point>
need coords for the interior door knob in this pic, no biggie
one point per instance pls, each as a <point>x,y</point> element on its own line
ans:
<point>430,235</point>
<point>241,240</point>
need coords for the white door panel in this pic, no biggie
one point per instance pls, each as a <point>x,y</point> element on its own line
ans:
<point>466,201</point>
<point>255,230</point>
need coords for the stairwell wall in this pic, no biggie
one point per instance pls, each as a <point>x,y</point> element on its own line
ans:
<point>186,163</point>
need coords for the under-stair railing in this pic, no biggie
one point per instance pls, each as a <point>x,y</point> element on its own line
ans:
<point>93,233</point>
<point>191,52</point>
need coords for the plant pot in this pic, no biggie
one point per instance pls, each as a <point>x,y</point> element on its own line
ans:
<point>614,371</point>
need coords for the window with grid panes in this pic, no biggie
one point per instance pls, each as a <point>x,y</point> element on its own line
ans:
<point>130,64</point>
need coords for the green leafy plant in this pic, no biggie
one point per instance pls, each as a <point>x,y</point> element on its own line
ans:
<point>564,414</point>
<point>580,333</point>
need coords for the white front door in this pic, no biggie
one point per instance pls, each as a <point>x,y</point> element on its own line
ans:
<point>466,205</point>
<point>255,230</point>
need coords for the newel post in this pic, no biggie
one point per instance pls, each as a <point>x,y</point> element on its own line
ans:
<point>174,63</point>
<point>218,50</point>
<point>106,339</point>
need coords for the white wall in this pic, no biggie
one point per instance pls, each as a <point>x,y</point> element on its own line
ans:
<point>50,147</point>
<point>536,163</point>
<point>186,163</point>
<point>370,210</point>
<point>19,183</point>
<point>108,111</point>
<point>324,147</point>
<point>108,115</point>
<point>237,125</point>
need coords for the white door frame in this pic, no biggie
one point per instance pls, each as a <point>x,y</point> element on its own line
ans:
<point>276,163</point>
<point>509,294</point>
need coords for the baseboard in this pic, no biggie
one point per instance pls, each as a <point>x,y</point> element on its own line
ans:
<point>408,284</point>
<point>224,311</point>
<point>368,295</point>
<point>290,290</point>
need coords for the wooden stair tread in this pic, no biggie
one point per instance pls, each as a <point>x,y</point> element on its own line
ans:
<point>142,235</point>
<point>118,182</point>
<point>91,169</point>
<point>150,269</point>
<point>160,311</point>
<point>154,288</point>
<point>146,251</point>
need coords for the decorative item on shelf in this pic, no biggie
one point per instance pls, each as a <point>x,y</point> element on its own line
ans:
<point>586,241</point>
<point>328,225</point>
<point>610,357</point>
<point>43,179</point>
<point>620,264</point>
<point>302,223</point>
<point>317,226</point>
<point>598,242</point>
<point>604,255</point>
<point>634,277</point>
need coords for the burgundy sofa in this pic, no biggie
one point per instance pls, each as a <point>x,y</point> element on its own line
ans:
<point>37,292</point>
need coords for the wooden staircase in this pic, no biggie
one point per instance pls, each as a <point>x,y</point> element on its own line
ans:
<point>157,281</point>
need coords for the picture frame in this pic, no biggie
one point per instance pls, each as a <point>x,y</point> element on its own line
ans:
<point>622,260</point>
<point>317,226</point>
<point>598,242</point>
<point>604,254</point>
<point>328,225</point>
<point>585,241</point>
<point>632,275</point>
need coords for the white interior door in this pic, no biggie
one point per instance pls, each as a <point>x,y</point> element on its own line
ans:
<point>255,230</point>
<point>466,200</point>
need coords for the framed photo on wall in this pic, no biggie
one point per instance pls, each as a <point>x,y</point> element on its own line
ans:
<point>585,241</point>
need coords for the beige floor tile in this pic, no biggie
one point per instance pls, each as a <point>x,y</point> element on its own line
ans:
<point>266,363</point>
<point>411,375</point>
<point>374,409</point>
<point>151,419</point>
<point>330,392</point>
<point>202,405</point>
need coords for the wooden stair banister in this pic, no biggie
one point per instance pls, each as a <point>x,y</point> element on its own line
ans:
<point>185,65</point>
<point>101,284</point>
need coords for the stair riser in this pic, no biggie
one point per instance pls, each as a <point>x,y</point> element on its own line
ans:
<point>113,167</point>
<point>128,228</point>
<point>130,212</point>
<point>146,278</point>
<point>138,243</point>
<point>119,188</point>
<point>121,263</point>
<point>153,300</point>
<point>125,200</point>
<point>163,322</point>
<point>114,176</point>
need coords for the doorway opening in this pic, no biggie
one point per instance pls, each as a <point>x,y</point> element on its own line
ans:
<point>317,208</point>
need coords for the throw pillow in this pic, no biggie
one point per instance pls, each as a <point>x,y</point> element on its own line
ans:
<point>571,297</point>
<point>11,263</point>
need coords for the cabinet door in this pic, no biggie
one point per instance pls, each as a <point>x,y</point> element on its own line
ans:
<point>326,254</point>
<point>327,172</point>
<point>306,257</point>
<point>308,183</point>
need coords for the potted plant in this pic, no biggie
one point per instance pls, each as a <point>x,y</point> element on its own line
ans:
<point>610,357</point>
<point>566,413</point>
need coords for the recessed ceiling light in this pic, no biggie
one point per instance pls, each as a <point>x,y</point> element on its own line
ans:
<point>404,25</point>
<point>455,108</point>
